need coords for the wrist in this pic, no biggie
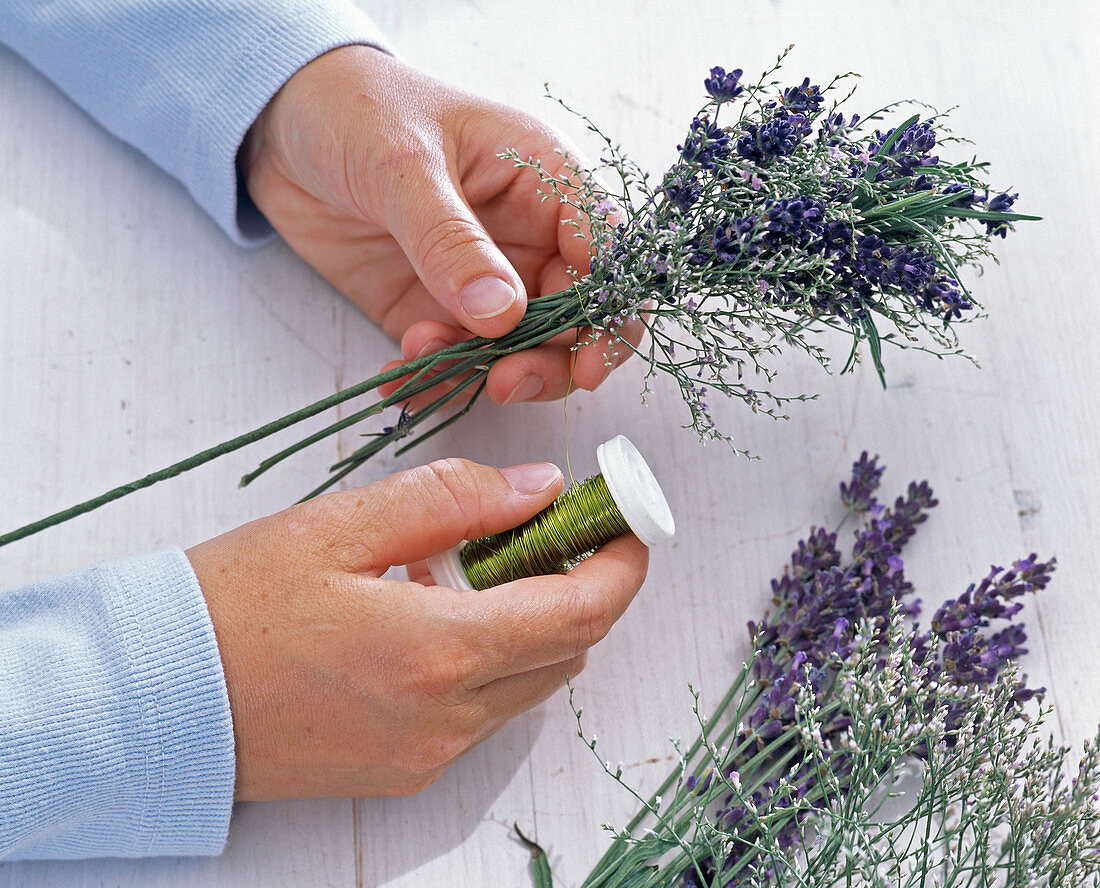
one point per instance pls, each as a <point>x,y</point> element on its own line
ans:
<point>303,104</point>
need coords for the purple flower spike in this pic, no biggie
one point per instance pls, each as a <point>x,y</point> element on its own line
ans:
<point>1002,203</point>
<point>724,86</point>
<point>966,195</point>
<point>822,601</point>
<point>778,136</point>
<point>682,190</point>
<point>706,144</point>
<point>859,494</point>
<point>803,97</point>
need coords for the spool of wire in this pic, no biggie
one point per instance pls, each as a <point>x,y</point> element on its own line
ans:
<point>623,498</point>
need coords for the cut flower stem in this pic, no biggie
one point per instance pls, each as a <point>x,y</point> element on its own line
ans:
<point>787,782</point>
<point>787,219</point>
<point>535,328</point>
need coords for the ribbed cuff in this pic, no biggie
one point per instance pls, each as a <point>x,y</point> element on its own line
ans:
<point>178,686</point>
<point>275,50</point>
<point>116,738</point>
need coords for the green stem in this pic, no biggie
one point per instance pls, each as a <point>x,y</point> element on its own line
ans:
<point>349,464</point>
<point>540,866</point>
<point>461,357</point>
<point>359,415</point>
<point>775,756</point>
<point>480,378</point>
<point>546,317</point>
<point>213,453</point>
<point>762,766</point>
<point>609,857</point>
<point>755,772</point>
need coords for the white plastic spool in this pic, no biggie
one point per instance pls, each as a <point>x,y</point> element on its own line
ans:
<point>632,486</point>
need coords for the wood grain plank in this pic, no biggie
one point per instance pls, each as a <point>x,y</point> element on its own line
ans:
<point>120,291</point>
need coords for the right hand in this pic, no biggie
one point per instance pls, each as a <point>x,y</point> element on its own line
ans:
<point>389,184</point>
<point>342,683</point>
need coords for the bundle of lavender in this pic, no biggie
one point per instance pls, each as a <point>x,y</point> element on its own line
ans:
<point>855,749</point>
<point>780,218</point>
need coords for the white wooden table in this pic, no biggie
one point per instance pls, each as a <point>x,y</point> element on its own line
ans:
<point>133,333</point>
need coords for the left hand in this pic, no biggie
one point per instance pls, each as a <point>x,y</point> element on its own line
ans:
<point>389,184</point>
<point>344,683</point>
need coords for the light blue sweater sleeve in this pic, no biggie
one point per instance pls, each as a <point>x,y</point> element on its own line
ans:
<point>115,731</point>
<point>182,80</point>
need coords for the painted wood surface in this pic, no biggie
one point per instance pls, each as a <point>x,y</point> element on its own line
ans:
<point>133,333</point>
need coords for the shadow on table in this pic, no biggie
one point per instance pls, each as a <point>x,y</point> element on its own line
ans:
<point>400,835</point>
<point>337,842</point>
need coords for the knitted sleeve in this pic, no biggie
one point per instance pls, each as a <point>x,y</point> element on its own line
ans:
<point>115,732</point>
<point>182,81</point>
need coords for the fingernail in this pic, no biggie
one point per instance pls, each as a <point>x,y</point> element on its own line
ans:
<point>532,477</point>
<point>527,388</point>
<point>432,347</point>
<point>487,297</point>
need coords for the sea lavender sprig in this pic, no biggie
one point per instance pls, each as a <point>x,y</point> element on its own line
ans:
<point>842,693</point>
<point>782,217</point>
<point>789,219</point>
<point>989,804</point>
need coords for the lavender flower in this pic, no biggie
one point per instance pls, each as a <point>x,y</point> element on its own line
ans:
<point>797,221</point>
<point>760,236</point>
<point>706,144</point>
<point>803,97</point>
<point>1002,203</point>
<point>859,493</point>
<point>777,231</point>
<point>903,151</point>
<point>967,196</point>
<point>776,137</point>
<point>736,241</point>
<point>682,190</point>
<point>724,86</point>
<point>944,296</point>
<point>838,692</point>
<point>834,129</point>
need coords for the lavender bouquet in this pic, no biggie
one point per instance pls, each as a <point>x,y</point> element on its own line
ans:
<point>797,778</point>
<point>782,217</point>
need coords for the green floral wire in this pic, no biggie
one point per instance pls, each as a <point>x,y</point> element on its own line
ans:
<point>537,326</point>
<point>576,523</point>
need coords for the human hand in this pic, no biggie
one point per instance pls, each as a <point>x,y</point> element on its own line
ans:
<point>342,683</point>
<point>389,184</point>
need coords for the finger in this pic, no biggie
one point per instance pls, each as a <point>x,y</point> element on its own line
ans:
<point>553,370</point>
<point>411,305</point>
<point>560,224</point>
<point>452,254</point>
<point>544,373</point>
<point>420,340</point>
<point>418,572</point>
<point>599,355</point>
<point>429,336</point>
<point>528,624</point>
<point>423,511</point>
<point>505,698</point>
<point>523,372</point>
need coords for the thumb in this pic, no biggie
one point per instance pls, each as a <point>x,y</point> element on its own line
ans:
<point>450,251</point>
<point>423,511</point>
